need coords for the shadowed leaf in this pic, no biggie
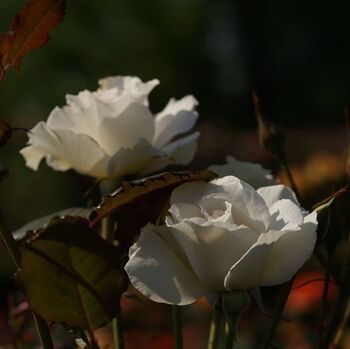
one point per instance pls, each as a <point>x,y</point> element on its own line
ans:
<point>29,30</point>
<point>71,275</point>
<point>42,222</point>
<point>138,202</point>
<point>6,265</point>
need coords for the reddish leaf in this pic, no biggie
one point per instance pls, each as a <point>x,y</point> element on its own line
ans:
<point>138,202</point>
<point>29,30</point>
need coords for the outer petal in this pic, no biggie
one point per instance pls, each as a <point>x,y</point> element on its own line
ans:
<point>132,161</point>
<point>253,174</point>
<point>63,150</point>
<point>211,249</point>
<point>176,118</point>
<point>158,273</point>
<point>289,252</point>
<point>277,192</point>
<point>130,85</point>
<point>179,152</point>
<point>124,130</point>
<point>274,258</point>
<point>82,115</point>
<point>183,150</point>
<point>247,272</point>
<point>33,156</point>
<point>285,215</point>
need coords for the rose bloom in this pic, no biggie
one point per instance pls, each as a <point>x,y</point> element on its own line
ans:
<point>111,133</point>
<point>219,237</point>
<point>250,172</point>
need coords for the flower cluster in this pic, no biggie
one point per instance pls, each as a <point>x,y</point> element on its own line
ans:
<point>218,237</point>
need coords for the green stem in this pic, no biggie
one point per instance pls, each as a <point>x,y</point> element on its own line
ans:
<point>278,313</point>
<point>107,232</point>
<point>342,327</point>
<point>117,332</point>
<point>214,329</point>
<point>177,326</point>
<point>229,337</point>
<point>13,251</point>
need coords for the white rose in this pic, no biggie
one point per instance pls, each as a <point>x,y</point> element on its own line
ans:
<point>253,174</point>
<point>222,236</point>
<point>111,133</point>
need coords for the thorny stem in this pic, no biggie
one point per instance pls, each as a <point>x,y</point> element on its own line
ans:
<point>13,251</point>
<point>214,329</point>
<point>177,326</point>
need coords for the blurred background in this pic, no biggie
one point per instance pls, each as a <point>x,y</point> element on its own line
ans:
<point>295,54</point>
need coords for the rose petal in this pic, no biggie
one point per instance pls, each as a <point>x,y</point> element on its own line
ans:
<point>124,130</point>
<point>181,211</point>
<point>248,208</point>
<point>246,273</point>
<point>211,249</point>
<point>130,85</point>
<point>216,210</point>
<point>132,161</point>
<point>285,215</point>
<point>277,192</point>
<point>176,118</point>
<point>82,115</point>
<point>289,252</point>
<point>158,273</point>
<point>180,152</point>
<point>63,150</point>
<point>33,156</point>
<point>253,174</point>
<point>191,193</point>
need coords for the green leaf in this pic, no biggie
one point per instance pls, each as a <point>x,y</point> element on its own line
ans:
<point>138,202</point>
<point>71,275</point>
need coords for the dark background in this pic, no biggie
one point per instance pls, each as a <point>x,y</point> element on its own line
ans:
<point>296,55</point>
